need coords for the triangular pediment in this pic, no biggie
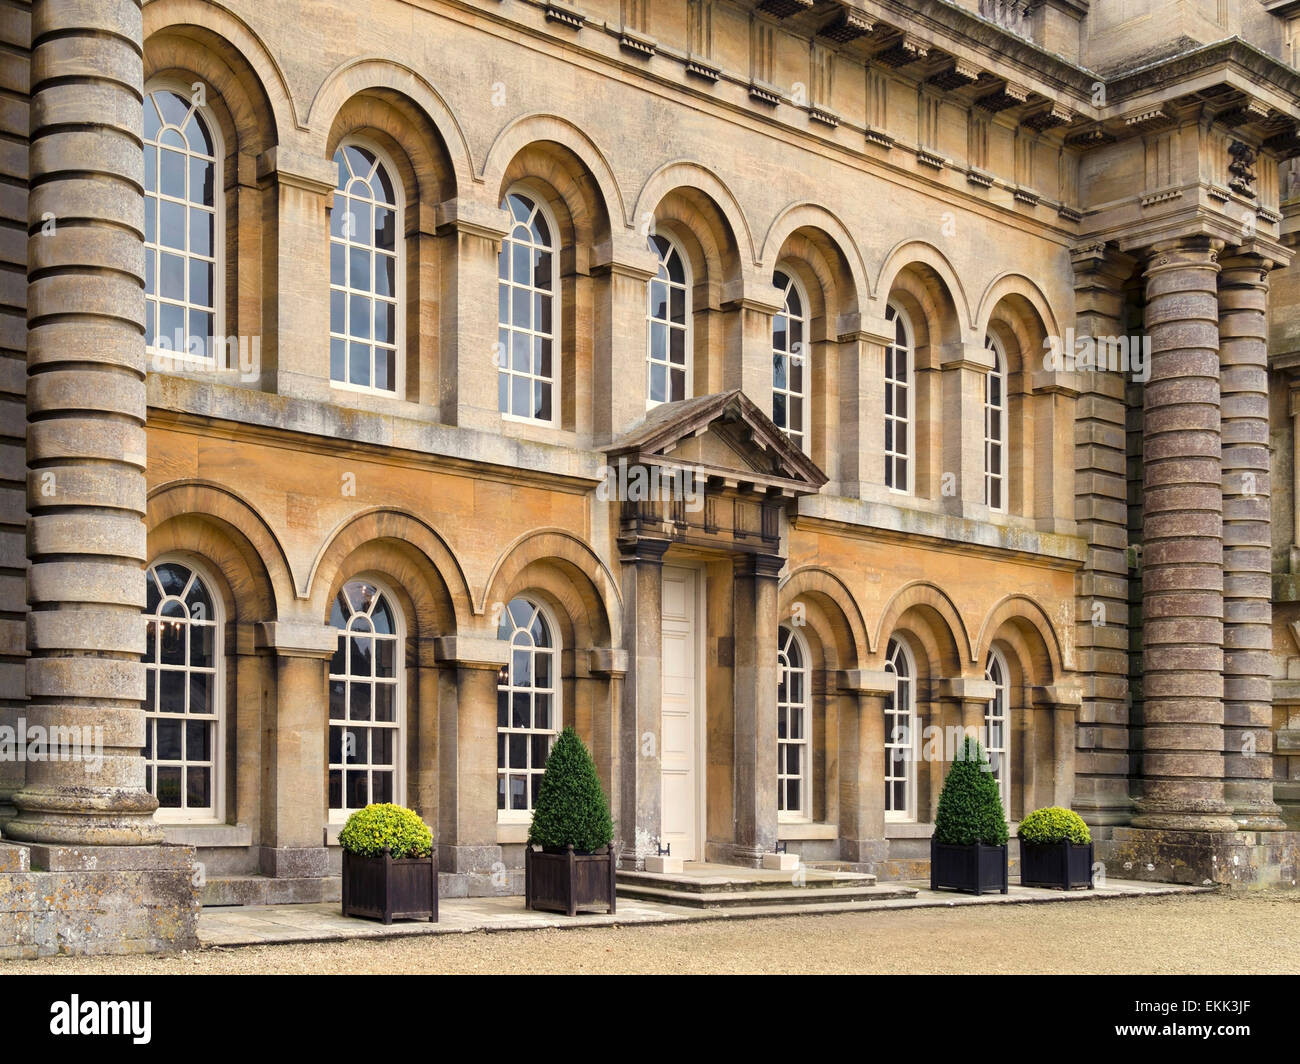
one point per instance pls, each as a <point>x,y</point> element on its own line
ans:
<point>726,436</point>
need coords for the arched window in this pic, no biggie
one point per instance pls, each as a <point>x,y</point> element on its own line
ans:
<point>366,271</point>
<point>183,693</point>
<point>365,698</point>
<point>528,706</point>
<point>995,428</point>
<point>668,306</point>
<point>528,341</point>
<point>997,726</point>
<point>182,226</point>
<point>793,728</point>
<point>900,421</point>
<point>790,360</point>
<point>900,734</point>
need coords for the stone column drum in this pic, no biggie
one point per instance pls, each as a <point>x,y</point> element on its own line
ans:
<point>1182,558</point>
<point>1247,543</point>
<point>86,417</point>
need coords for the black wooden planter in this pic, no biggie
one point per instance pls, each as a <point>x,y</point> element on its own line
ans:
<point>1065,865</point>
<point>565,882</point>
<point>382,888</point>
<point>977,869</point>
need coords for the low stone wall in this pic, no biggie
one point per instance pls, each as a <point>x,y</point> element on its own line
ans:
<point>1237,859</point>
<point>96,900</point>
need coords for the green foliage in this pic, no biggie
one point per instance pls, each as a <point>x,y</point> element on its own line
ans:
<point>970,807</point>
<point>369,830</point>
<point>571,807</point>
<point>1054,824</point>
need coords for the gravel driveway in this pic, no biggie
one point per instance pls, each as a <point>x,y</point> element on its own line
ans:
<point>1202,933</point>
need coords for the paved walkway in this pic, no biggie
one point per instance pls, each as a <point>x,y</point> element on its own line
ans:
<point>271,924</point>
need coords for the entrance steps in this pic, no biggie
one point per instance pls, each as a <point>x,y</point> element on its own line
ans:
<point>715,886</point>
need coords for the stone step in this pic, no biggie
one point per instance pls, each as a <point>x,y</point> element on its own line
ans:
<point>268,890</point>
<point>15,858</point>
<point>743,880</point>
<point>792,896</point>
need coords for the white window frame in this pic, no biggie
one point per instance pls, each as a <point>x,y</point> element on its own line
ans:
<point>788,637</point>
<point>897,650</point>
<point>998,475</point>
<point>688,339</point>
<point>525,816</point>
<point>999,709</point>
<point>216,813</point>
<point>557,316</point>
<point>893,314</point>
<point>159,356</point>
<point>398,391</point>
<point>340,816</point>
<point>803,437</point>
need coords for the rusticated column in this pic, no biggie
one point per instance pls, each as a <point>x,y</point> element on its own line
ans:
<point>86,415</point>
<point>640,774</point>
<point>15,36</point>
<point>1101,631</point>
<point>755,613</point>
<point>1182,578</point>
<point>1247,543</point>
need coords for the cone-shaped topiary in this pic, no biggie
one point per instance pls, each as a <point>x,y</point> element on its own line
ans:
<point>970,806</point>
<point>571,807</point>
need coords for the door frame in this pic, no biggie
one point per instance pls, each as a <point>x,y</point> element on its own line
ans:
<point>701,766</point>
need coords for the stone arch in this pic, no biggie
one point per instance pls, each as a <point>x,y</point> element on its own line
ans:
<point>1015,313</point>
<point>409,94</point>
<point>401,127</point>
<point>234,44</point>
<point>567,571</point>
<point>920,277</point>
<point>935,623</point>
<point>412,556</point>
<point>1025,625</point>
<point>212,522</point>
<point>833,615</point>
<point>553,152</point>
<point>812,234</point>
<point>695,203</point>
<point>1018,302</point>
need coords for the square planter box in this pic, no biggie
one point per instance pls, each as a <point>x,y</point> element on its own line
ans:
<point>977,869</point>
<point>1064,865</point>
<point>566,882</point>
<point>382,888</point>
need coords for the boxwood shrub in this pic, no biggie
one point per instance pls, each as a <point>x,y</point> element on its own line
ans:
<point>369,830</point>
<point>970,805</point>
<point>1053,825</point>
<point>571,807</point>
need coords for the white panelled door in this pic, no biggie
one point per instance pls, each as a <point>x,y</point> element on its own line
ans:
<point>679,709</point>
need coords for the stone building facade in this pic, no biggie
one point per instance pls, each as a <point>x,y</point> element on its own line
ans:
<point>763,389</point>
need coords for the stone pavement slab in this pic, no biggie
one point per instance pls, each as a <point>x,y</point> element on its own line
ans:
<point>273,924</point>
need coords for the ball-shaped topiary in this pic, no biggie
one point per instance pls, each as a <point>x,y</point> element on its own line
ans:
<point>970,805</point>
<point>1054,824</point>
<point>369,830</point>
<point>571,808</point>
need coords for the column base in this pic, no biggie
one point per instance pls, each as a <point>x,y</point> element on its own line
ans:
<point>1238,859</point>
<point>84,817</point>
<point>1186,814</point>
<point>868,852</point>
<point>97,900</point>
<point>294,862</point>
<point>739,854</point>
